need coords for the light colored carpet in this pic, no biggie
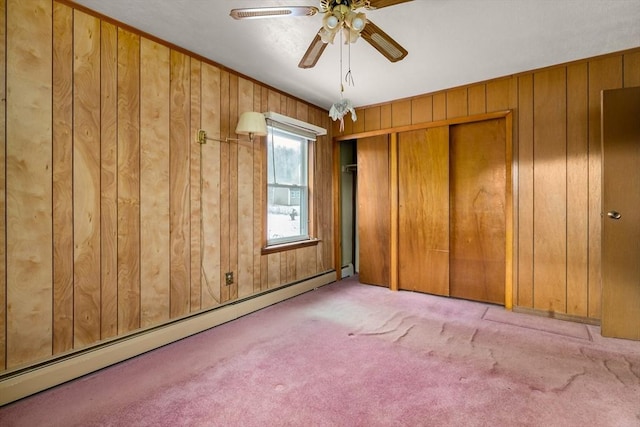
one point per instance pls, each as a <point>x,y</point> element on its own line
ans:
<point>349,354</point>
<point>552,326</point>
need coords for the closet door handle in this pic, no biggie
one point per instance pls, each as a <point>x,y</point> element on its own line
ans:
<point>614,215</point>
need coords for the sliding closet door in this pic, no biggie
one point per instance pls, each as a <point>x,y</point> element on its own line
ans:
<point>478,215</point>
<point>423,210</point>
<point>374,211</point>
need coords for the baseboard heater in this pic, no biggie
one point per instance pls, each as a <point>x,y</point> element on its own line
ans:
<point>24,382</point>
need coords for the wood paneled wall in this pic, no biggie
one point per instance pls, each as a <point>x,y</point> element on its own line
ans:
<point>556,170</point>
<point>112,217</point>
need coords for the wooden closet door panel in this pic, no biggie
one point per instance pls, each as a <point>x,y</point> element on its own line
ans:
<point>423,210</point>
<point>478,185</point>
<point>621,213</point>
<point>374,210</point>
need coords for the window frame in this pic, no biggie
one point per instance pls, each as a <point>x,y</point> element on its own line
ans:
<point>268,246</point>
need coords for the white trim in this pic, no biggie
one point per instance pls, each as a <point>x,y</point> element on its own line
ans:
<point>294,125</point>
<point>49,375</point>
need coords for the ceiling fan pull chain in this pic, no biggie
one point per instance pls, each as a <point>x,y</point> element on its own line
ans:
<point>349,76</point>
<point>341,68</point>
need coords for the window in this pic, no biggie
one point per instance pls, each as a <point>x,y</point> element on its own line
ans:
<point>287,186</point>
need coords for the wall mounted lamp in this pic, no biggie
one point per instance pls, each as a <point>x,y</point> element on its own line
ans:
<point>250,123</point>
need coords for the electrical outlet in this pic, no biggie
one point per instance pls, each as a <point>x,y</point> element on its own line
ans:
<point>228,278</point>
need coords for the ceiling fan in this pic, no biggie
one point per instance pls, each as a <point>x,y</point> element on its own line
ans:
<point>339,15</point>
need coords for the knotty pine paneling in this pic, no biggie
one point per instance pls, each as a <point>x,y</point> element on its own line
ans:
<point>556,169</point>
<point>113,217</point>
<point>28,216</point>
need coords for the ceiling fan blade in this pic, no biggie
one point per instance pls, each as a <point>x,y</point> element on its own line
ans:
<point>379,4</point>
<point>387,46</point>
<point>273,12</point>
<point>313,52</point>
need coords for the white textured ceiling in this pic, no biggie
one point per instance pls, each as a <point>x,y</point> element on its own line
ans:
<point>450,42</point>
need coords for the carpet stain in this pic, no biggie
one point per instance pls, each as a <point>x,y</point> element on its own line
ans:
<point>279,387</point>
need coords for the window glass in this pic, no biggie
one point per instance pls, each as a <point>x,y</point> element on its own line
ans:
<point>287,187</point>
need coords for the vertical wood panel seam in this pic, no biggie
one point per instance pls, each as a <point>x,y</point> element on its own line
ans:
<point>588,124</point>
<point>53,248</point>
<point>116,147</point>
<point>203,278</point>
<point>139,254</point>
<point>566,190</point>
<point>169,183</point>
<point>467,96</point>
<point>515,202</point>
<point>117,178</point>
<point>533,191</point>
<point>187,242</point>
<point>99,43</point>
<point>4,214</point>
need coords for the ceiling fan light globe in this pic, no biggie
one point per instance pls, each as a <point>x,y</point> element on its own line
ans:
<point>330,22</point>
<point>357,23</point>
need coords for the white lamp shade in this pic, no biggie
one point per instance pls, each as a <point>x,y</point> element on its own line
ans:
<point>252,123</point>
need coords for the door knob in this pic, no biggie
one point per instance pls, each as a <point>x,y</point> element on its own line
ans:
<point>614,215</point>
